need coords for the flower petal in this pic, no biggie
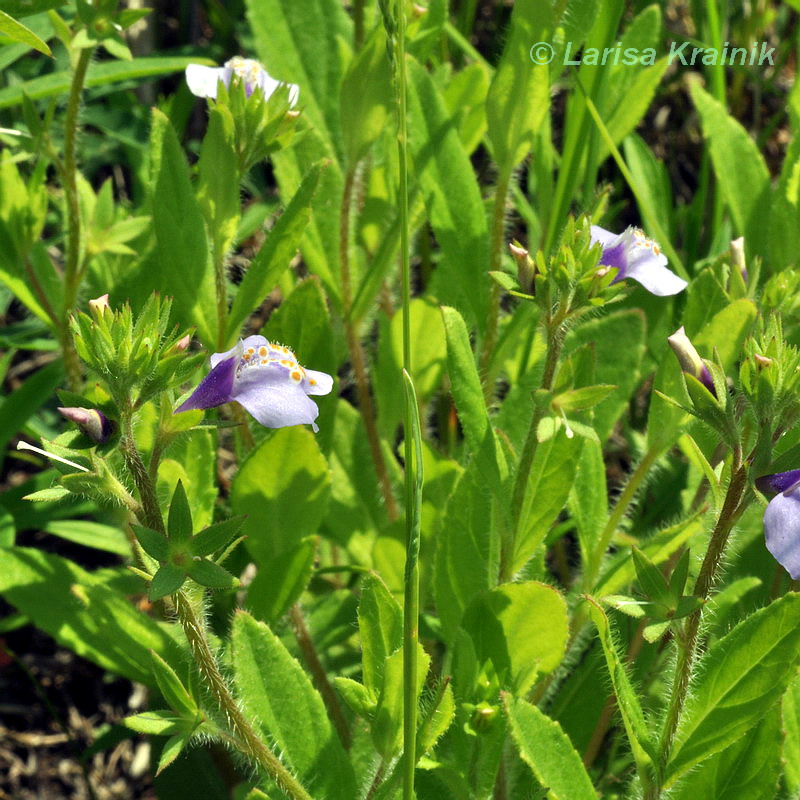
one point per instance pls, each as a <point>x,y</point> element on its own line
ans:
<point>650,270</point>
<point>779,482</point>
<point>215,389</point>
<point>317,382</point>
<point>782,531</point>
<point>202,81</point>
<point>273,399</point>
<point>614,249</point>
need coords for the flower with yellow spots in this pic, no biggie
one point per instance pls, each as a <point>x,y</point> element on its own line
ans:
<point>202,81</point>
<point>266,379</point>
<point>635,256</point>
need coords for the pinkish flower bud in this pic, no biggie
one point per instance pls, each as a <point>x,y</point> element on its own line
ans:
<point>690,360</point>
<point>762,361</point>
<point>92,422</point>
<point>526,269</point>
<point>99,304</point>
<point>183,344</point>
<point>737,256</point>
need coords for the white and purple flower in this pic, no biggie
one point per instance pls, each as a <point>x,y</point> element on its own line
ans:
<point>635,256</point>
<point>690,360</point>
<point>266,379</point>
<point>203,81</point>
<point>782,518</point>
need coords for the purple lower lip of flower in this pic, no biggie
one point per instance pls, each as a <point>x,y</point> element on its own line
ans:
<point>266,379</point>
<point>637,257</point>
<point>782,527</point>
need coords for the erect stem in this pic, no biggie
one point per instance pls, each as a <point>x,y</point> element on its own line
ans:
<point>731,510</point>
<point>555,342</point>
<point>246,739</point>
<point>72,272</point>
<point>357,356</point>
<point>495,257</point>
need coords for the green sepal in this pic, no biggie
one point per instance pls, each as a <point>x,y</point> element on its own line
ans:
<point>358,698</point>
<point>215,537</point>
<point>167,580</point>
<point>677,581</point>
<point>655,630</point>
<point>172,749</point>
<point>154,543</point>
<point>583,398</point>
<point>651,580</point>
<point>212,575</point>
<point>179,525</point>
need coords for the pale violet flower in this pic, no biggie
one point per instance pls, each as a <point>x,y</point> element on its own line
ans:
<point>635,256</point>
<point>203,81</point>
<point>782,518</point>
<point>266,379</point>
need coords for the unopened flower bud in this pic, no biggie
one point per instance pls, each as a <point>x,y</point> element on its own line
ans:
<point>183,344</point>
<point>737,256</point>
<point>690,360</point>
<point>92,422</point>
<point>526,269</point>
<point>99,305</point>
<point>762,361</point>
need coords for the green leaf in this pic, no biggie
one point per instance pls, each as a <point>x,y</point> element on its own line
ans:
<point>215,537</point>
<point>726,331</point>
<point>167,580</point>
<point>522,628</point>
<point>17,32</point>
<point>99,74</point>
<point>549,483</point>
<point>172,750</point>
<point>82,614</point>
<point>275,255</point>
<point>468,396</point>
<point>357,696</point>
<point>217,187</point>
<point>209,574</point>
<point>790,716</point>
<point>155,723</point>
<point>366,95</point>
<point>750,767</point>
<point>183,249</point>
<point>745,188</point>
<point>466,551</point>
<point>452,198</point>
<point>380,625</point>
<point>179,525</point>
<point>304,44</point>
<point>27,8</point>
<point>741,676</point>
<point>154,543</point>
<point>548,751</point>
<point>288,710</point>
<point>91,534</point>
<point>627,700</point>
<point>651,580</point>
<point>174,691</point>
<point>588,500</point>
<point>277,587</point>
<point>519,95</point>
<point>696,456</point>
<point>283,489</point>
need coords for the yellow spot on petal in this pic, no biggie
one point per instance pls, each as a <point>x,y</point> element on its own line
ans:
<point>262,351</point>
<point>312,382</point>
<point>296,376</point>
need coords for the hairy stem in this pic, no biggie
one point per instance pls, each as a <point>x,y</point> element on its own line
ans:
<point>357,357</point>
<point>72,272</point>
<point>555,342</point>
<point>247,740</point>
<point>688,642</point>
<point>495,257</point>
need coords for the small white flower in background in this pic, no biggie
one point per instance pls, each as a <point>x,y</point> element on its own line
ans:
<point>203,81</point>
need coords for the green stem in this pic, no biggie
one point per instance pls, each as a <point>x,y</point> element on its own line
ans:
<point>411,577</point>
<point>731,510</point>
<point>357,357</point>
<point>555,341</point>
<point>72,271</point>
<point>495,258</point>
